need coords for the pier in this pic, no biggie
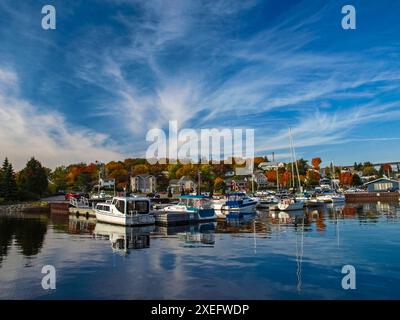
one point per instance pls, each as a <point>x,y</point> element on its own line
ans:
<point>372,197</point>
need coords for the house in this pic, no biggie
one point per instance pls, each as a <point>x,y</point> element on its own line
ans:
<point>184,183</point>
<point>382,185</point>
<point>236,184</point>
<point>261,180</point>
<point>143,183</point>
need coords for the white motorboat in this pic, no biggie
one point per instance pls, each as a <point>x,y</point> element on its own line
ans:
<point>290,204</point>
<point>338,198</point>
<point>330,196</point>
<point>266,202</point>
<point>198,208</point>
<point>239,202</point>
<point>126,211</point>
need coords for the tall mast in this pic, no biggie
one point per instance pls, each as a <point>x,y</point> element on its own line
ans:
<point>295,160</point>
<point>291,153</point>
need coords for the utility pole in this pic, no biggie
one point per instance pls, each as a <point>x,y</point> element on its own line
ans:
<point>199,182</point>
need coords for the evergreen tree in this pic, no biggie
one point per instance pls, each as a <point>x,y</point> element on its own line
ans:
<point>357,180</point>
<point>33,178</point>
<point>8,184</point>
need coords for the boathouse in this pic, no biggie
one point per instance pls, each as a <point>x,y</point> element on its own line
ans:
<point>382,185</point>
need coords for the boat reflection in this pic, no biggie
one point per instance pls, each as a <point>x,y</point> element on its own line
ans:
<point>123,239</point>
<point>287,217</point>
<point>192,235</point>
<point>81,225</point>
<point>256,223</point>
<point>202,234</point>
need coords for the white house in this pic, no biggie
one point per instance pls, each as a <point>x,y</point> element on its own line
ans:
<point>184,183</point>
<point>261,180</point>
<point>144,183</point>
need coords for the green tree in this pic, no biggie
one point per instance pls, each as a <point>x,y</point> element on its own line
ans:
<point>219,185</point>
<point>33,178</point>
<point>313,177</point>
<point>83,182</point>
<point>8,184</point>
<point>59,178</point>
<point>303,166</point>
<point>172,169</point>
<point>327,172</point>
<point>357,180</point>
<point>369,170</point>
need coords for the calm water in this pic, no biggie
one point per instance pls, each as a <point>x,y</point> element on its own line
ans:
<point>297,256</point>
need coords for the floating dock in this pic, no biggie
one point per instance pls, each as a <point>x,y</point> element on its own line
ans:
<point>86,212</point>
<point>361,197</point>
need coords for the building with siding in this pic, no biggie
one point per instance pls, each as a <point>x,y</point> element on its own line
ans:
<point>183,184</point>
<point>144,183</point>
<point>382,185</point>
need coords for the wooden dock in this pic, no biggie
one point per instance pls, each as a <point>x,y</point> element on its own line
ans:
<point>84,212</point>
<point>60,207</point>
<point>361,197</point>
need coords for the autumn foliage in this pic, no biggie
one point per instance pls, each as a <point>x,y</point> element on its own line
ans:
<point>313,177</point>
<point>286,178</point>
<point>346,178</point>
<point>316,162</point>
<point>271,176</point>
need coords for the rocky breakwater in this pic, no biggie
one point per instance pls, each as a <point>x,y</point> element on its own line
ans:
<point>26,207</point>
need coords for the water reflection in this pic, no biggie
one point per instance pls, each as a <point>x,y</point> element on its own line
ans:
<point>26,232</point>
<point>198,235</point>
<point>123,239</point>
<point>192,235</point>
<point>257,223</point>
<point>285,255</point>
<point>81,225</point>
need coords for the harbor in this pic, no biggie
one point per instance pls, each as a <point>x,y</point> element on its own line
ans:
<point>174,153</point>
<point>264,238</point>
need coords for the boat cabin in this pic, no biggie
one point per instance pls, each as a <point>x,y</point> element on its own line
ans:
<point>235,198</point>
<point>194,201</point>
<point>126,205</point>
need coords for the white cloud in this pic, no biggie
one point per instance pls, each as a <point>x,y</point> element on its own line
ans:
<point>27,130</point>
<point>176,60</point>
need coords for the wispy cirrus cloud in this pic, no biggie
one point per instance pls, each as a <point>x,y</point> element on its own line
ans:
<point>27,130</point>
<point>259,64</point>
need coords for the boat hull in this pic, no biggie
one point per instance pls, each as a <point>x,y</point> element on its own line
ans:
<point>291,207</point>
<point>192,215</point>
<point>122,220</point>
<point>244,208</point>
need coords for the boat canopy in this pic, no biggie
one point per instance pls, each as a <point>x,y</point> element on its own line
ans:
<point>236,194</point>
<point>189,196</point>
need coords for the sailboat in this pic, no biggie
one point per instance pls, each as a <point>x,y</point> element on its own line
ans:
<point>292,203</point>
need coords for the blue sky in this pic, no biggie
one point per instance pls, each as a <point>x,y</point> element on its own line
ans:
<point>113,69</point>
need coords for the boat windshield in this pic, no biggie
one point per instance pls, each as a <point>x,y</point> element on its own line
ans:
<point>137,206</point>
<point>196,203</point>
<point>120,206</point>
<point>237,197</point>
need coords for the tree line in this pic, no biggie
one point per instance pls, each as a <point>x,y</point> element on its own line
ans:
<point>28,184</point>
<point>35,181</point>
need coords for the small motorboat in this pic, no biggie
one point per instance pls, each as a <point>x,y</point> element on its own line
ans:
<point>126,211</point>
<point>290,204</point>
<point>239,202</point>
<point>196,208</point>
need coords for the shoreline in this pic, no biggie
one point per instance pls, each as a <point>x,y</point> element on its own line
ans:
<point>26,207</point>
